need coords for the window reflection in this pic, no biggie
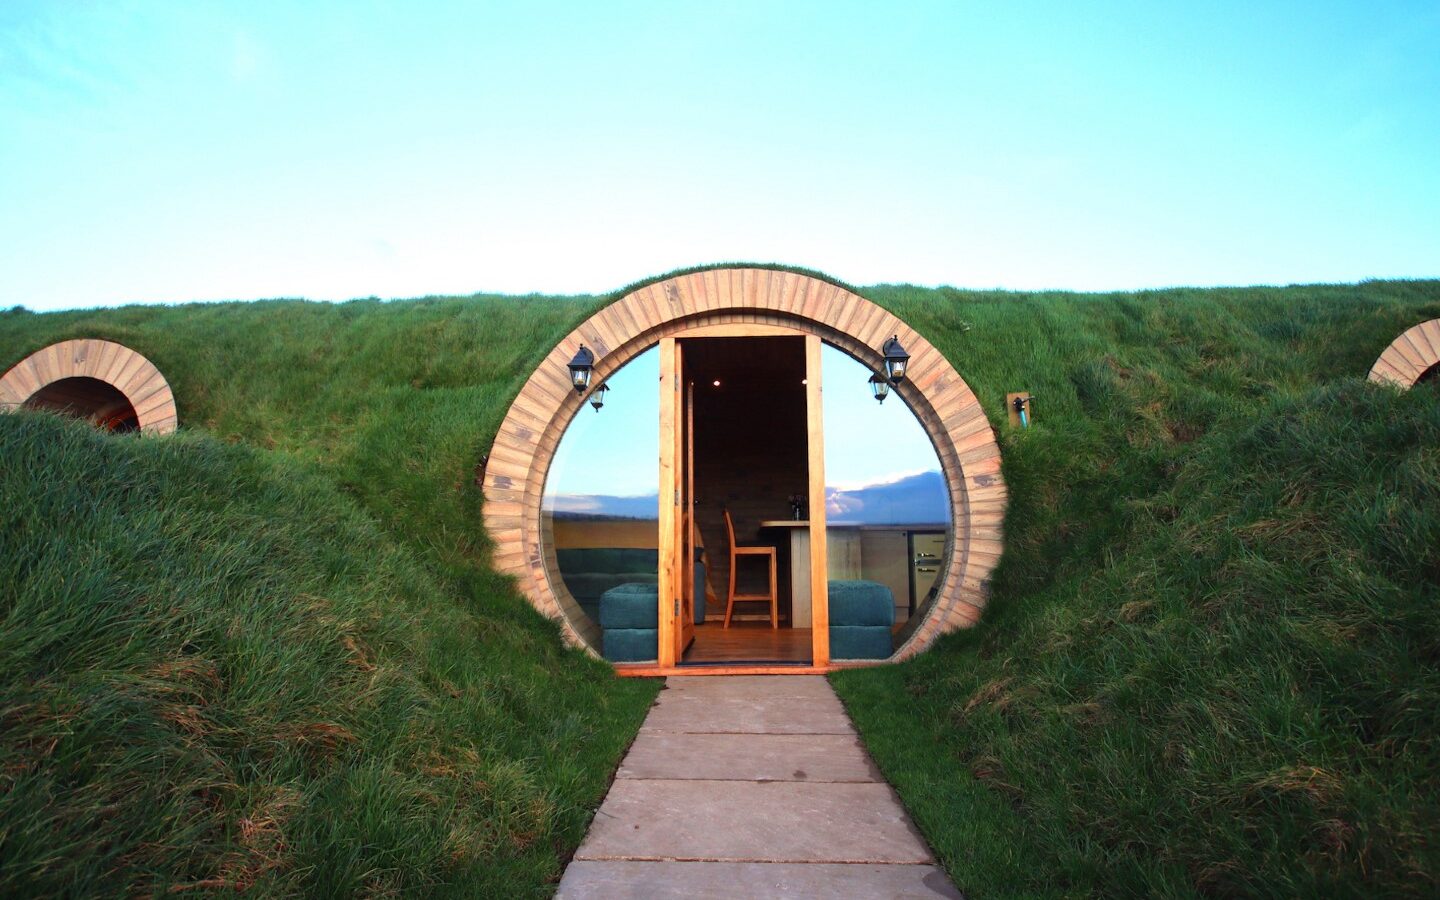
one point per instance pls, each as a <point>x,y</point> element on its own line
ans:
<point>600,517</point>
<point>887,512</point>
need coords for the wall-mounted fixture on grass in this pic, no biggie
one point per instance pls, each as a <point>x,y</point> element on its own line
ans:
<point>1410,358</point>
<point>1018,406</point>
<point>597,397</point>
<point>102,382</point>
<point>581,365</point>
<point>896,360</point>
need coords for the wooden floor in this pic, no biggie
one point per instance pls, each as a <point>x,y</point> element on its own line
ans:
<point>748,642</point>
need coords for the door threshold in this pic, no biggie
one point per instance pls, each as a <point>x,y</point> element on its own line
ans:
<point>655,671</point>
<point>689,663</point>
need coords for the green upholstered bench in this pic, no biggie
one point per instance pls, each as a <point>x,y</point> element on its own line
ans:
<point>861,616</point>
<point>630,619</point>
<point>591,571</point>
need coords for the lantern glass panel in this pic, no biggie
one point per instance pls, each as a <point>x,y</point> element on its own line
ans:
<point>879,387</point>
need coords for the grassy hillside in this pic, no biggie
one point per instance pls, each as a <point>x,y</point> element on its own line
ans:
<point>218,672</point>
<point>383,409</point>
<point>1210,661</point>
<point>1243,699</point>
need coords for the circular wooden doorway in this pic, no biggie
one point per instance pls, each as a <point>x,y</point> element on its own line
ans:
<point>1410,357</point>
<point>948,410</point>
<point>105,382</point>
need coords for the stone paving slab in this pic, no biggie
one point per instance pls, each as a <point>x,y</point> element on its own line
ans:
<point>749,757</point>
<point>743,821</point>
<point>756,686</point>
<point>751,786</point>
<point>694,712</point>
<point>621,880</point>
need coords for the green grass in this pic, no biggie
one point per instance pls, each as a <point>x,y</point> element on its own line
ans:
<point>217,671</point>
<point>1210,663</point>
<point>342,439</point>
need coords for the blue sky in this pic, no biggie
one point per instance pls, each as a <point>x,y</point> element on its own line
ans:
<point>169,151</point>
<point>613,451</point>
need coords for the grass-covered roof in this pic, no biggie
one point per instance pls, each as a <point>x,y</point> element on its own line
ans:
<point>1209,663</point>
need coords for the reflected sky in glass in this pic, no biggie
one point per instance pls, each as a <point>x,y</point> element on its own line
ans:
<point>879,463</point>
<point>867,442</point>
<point>614,452</point>
<point>880,467</point>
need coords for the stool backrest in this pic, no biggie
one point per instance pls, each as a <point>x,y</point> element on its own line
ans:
<point>729,526</point>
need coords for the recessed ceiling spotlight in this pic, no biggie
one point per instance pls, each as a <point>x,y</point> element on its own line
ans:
<point>716,382</point>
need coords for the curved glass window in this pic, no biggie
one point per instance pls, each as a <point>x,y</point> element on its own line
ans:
<point>887,511</point>
<point>600,513</point>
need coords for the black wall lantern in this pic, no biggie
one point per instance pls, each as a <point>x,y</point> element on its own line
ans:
<point>896,363</point>
<point>896,360</point>
<point>879,387</point>
<point>580,368</point>
<point>597,397</point>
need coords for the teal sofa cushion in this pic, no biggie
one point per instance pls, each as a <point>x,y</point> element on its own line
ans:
<point>632,605</point>
<point>860,642</point>
<point>588,572</point>
<point>588,586</point>
<point>861,603</point>
<point>631,644</point>
<point>861,613</point>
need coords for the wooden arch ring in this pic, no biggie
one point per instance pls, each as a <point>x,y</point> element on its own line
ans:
<point>948,410</point>
<point>115,364</point>
<point>1409,356</point>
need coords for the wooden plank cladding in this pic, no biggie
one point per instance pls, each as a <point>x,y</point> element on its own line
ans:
<point>114,364</point>
<point>761,302</point>
<point>1409,357</point>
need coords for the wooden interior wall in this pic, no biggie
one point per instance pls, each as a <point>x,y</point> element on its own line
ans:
<point>750,445</point>
<point>89,398</point>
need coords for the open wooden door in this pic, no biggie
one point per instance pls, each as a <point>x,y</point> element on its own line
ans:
<point>819,547</point>
<point>688,530</point>
<point>677,502</point>
<point>688,366</point>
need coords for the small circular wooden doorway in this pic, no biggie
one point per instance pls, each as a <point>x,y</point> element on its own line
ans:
<point>688,304</point>
<point>103,381</point>
<point>1412,356</point>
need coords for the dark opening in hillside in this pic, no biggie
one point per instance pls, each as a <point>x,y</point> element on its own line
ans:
<point>91,399</point>
<point>1429,374</point>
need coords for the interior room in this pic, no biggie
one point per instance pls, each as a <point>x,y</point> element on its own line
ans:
<point>750,458</point>
<point>87,398</point>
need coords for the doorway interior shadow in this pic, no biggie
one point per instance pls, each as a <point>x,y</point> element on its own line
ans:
<point>746,450</point>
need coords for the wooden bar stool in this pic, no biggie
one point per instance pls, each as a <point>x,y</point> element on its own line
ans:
<point>735,553</point>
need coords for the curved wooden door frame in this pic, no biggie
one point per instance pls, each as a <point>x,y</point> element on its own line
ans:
<point>1409,356</point>
<point>115,364</point>
<point>740,301</point>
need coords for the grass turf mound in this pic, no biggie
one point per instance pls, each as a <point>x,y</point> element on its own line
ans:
<point>384,409</point>
<point>218,672</point>
<point>1243,699</point>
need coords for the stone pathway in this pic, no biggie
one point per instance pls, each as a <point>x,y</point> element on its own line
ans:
<point>751,786</point>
